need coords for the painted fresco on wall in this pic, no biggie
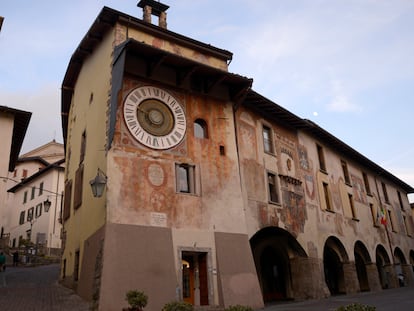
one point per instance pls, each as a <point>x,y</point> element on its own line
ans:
<point>358,190</point>
<point>303,158</point>
<point>294,212</point>
<point>287,162</point>
<point>268,215</point>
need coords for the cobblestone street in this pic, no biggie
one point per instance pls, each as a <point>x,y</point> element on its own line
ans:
<point>36,288</point>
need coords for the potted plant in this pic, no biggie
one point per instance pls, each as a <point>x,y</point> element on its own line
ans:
<point>137,300</point>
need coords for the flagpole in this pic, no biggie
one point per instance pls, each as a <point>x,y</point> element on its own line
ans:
<point>385,223</point>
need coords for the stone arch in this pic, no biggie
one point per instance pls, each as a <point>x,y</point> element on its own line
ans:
<point>399,264</point>
<point>274,252</point>
<point>412,259</point>
<point>334,257</point>
<point>383,261</point>
<point>362,260</point>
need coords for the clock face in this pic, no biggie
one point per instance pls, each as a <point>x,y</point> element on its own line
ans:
<point>154,117</point>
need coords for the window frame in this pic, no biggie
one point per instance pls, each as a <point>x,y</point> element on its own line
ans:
<point>366,183</point>
<point>22,217</point>
<point>385,193</point>
<point>321,158</point>
<point>268,145</point>
<point>30,214</point>
<point>272,188</point>
<point>327,196</point>
<point>345,172</point>
<point>200,127</point>
<point>352,206</point>
<point>185,184</point>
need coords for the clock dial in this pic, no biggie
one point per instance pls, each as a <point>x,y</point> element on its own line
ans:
<point>154,117</point>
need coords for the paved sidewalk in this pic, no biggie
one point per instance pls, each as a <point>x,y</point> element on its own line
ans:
<point>36,289</point>
<point>400,299</point>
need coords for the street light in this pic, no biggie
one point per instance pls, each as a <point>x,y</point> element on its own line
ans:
<point>98,183</point>
<point>47,204</point>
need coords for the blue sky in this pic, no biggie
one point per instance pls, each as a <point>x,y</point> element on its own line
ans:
<point>347,65</point>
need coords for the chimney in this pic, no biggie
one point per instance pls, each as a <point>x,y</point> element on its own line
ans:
<point>152,7</point>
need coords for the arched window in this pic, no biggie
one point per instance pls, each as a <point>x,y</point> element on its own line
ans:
<point>200,128</point>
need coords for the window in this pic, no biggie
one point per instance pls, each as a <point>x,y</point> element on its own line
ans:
<point>33,193</point>
<point>327,197</point>
<point>373,214</point>
<point>400,200</point>
<point>30,214</point>
<point>366,183</point>
<point>345,171</point>
<point>83,148</point>
<point>25,197</point>
<point>41,189</point>
<point>68,195</point>
<point>38,212</point>
<point>21,220</point>
<point>76,266</point>
<point>352,206</point>
<point>391,222</point>
<point>24,173</point>
<point>185,178</point>
<point>222,151</point>
<point>200,128</point>
<point>407,225</point>
<point>384,190</point>
<point>321,158</point>
<point>77,199</point>
<point>273,193</point>
<point>267,140</point>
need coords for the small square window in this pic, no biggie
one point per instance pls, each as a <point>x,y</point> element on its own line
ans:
<point>185,178</point>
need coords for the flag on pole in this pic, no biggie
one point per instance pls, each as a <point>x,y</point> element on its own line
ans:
<point>383,218</point>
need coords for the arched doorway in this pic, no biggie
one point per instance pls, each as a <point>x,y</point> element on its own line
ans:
<point>399,261</point>
<point>382,260</point>
<point>334,256</point>
<point>412,259</point>
<point>272,250</point>
<point>362,258</point>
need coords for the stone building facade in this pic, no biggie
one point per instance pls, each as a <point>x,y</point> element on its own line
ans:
<point>214,194</point>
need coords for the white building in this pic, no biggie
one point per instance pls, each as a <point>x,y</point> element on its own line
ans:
<point>34,200</point>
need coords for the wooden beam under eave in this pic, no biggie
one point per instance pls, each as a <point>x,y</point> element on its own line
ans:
<point>154,63</point>
<point>184,75</point>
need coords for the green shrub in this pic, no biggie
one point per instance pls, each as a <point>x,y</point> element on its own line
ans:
<point>356,307</point>
<point>178,306</point>
<point>239,308</point>
<point>136,299</point>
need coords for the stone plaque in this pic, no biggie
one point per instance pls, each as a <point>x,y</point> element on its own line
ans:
<point>159,219</point>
